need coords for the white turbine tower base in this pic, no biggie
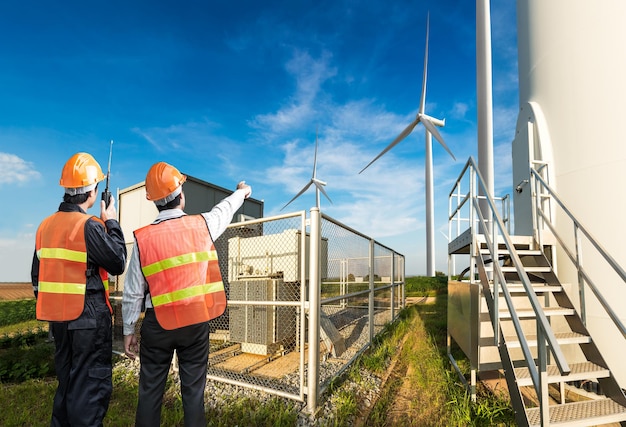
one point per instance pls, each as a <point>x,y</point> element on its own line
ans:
<point>430,124</point>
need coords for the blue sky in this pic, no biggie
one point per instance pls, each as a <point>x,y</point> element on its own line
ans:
<point>230,91</point>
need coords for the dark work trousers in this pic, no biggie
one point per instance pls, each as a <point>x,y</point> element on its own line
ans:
<point>83,364</point>
<point>156,350</point>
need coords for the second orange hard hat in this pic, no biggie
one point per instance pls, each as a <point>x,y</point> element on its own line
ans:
<point>162,180</point>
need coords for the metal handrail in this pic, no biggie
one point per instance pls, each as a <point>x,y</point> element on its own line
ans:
<point>575,258</point>
<point>544,331</point>
<point>506,202</point>
<point>517,262</point>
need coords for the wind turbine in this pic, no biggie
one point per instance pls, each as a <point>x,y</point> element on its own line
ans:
<point>319,184</point>
<point>430,124</point>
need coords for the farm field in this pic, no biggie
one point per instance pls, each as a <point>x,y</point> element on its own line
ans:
<point>13,291</point>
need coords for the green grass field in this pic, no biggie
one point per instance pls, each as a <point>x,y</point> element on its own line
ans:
<point>410,353</point>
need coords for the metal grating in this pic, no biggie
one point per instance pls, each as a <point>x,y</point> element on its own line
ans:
<point>579,371</point>
<point>561,337</point>
<point>592,412</point>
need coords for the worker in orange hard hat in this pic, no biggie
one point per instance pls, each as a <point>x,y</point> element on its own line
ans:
<point>174,271</point>
<point>74,253</point>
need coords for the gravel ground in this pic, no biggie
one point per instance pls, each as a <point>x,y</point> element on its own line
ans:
<point>219,394</point>
<point>366,390</point>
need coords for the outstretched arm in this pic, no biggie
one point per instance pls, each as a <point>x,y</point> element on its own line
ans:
<point>222,214</point>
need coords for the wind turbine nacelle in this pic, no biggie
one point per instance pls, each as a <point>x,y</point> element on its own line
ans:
<point>436,122</point>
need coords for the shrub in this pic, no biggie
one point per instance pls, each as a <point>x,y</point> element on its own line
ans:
<point>421,285</point>
<point>12,312</point>
<point>26,355</point>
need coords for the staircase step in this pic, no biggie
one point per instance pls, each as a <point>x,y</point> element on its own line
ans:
<point>529,312</point>
<point>586,413</point>
<point>562,338</point>
<point>538,288</point>
<point>520,252</point>
<point>528,269</point>
<point>579,372</point>
<point>529,252</point>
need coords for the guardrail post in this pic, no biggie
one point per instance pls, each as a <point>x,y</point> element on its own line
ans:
<point>542,392</point>
<point>581,281</point>
<point>314,311</point>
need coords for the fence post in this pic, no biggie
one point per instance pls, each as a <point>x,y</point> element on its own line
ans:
<point>314,311</point>
<point>403,280</point>
<point>393,286</point>
<point>371,294</point>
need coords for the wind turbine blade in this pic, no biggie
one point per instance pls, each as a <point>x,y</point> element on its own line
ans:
<point>321,188</point>
<point>423,97</point>
<point>430,127</point>
<point>306,187</point>
<point>399,138</point>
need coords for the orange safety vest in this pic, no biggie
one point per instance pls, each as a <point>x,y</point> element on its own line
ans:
<point>62,253</point>
<point>179,261</point>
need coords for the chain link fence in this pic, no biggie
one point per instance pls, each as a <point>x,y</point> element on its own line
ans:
<point>262,340</point>
<point>276,326</point>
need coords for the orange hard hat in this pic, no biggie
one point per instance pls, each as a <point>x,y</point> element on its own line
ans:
<point>81,170</point>
<point>162,180</point>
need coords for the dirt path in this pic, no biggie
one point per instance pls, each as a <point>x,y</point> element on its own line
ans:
<point>412,393</point>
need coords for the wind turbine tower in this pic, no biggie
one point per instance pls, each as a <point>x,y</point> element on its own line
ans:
<point>484,97</point>
<point>571,118</point>
<point>430,124</point>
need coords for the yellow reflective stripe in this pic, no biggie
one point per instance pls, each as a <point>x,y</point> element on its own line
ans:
<point>177,261</point>
<point>60,253</point>
<point>181,294</point>
<point>106,285</point>
<point>62,288</point>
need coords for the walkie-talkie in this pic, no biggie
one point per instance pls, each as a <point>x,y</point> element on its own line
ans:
<point>106,194</point>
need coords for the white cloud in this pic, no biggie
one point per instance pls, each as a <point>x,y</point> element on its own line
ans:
<point>15,170</point>
<point>459,110</point>
<point>178,137</point>
<point>287,118</point>
<point>310,74</point>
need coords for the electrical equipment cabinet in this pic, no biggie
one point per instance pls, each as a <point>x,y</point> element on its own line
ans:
<point>262,328</point>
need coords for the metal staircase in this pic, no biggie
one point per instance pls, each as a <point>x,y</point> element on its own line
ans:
<point>511,313</point>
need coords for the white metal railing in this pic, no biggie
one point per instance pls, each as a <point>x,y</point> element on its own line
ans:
<point>543,208</point>
<point>457,222</point>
